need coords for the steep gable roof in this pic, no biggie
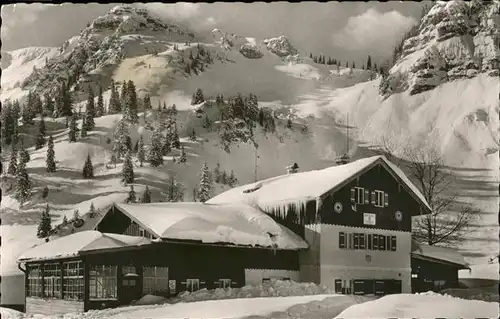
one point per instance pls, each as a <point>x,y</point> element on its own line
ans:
<point>229,223</point>
<point>305,186</point>
<point>438,254</point>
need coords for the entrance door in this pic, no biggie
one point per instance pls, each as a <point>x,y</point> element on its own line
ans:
<point>130,289</point>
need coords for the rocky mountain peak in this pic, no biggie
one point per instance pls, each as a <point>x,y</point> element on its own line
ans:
<point>454,40</point>
<point>280,46</point>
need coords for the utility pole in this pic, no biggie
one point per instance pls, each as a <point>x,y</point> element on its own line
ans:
<point>347,152</point>
<point>256,163</point>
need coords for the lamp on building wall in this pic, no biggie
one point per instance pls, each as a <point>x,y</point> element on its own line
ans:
<point>368,258</point>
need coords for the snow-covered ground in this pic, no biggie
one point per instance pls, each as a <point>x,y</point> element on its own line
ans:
<point>426,305</point>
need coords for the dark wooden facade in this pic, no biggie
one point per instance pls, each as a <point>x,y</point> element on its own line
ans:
<point>430,275</point>
<point>374,178</point>
<point>206,263</point>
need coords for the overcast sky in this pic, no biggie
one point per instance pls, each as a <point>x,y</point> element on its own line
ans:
<point>340,29</point>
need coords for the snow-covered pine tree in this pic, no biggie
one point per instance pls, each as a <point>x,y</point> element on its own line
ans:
<point>50,160</point>
<point>24,155</point>
<point>128,143</point>
<point>217,173</point>
<point>136,147</point>
<point>369,63</point>
<point>88,169</point>
<point>76,215</point>
<point>45,224</point>
<point>83,130</point>
<point>123,95</point>
<point>182,156</point>
<point>141,155</point>
<point>132,198</point>
<point>173,110</point>
<point>207,123</point>
<point>23,183</point>
<point>64,221</point>
<point>128,169</point>
<point>120,145</point>
<point>146,196</point>
<point>176,143</point>
<point>7,125</point>
<point>223,178</point>
<point>12,169</point>
<point>99,111</point>
<point>192,136</point>
<point>232,180</point>
<point>72,129</point>
<point>261,117</point>
<point>27,115</point>
<point>130,113</point>
<point>146,102</point>
<point>252,108</point>
<point>174,190</point>
<point>48,105</point>
<point>205,184</point>
<point>40,138</point>
<point>66,100</point>
<point>198,97</point>
<point>114,100</point>
<point>155,155</point>
<point>90,111</point>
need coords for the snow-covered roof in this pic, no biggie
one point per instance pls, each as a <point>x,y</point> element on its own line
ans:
<point>236,224</point>
<point>72,245</point>
<point>304,186</point>
<point>440,253</point>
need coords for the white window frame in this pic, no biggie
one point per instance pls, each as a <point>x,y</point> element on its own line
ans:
<point>191,283</point>
<point>224,283</point>
<point>379,198</point>
<point>359,200</point>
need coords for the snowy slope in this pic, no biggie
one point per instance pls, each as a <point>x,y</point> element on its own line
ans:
<point>17,65</point>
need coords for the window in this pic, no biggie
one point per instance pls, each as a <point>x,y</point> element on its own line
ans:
<point>73,280</point>
<point>338,286</point>
<point>192,284</point>
<point>103,282</point>
<point>341,240</point>
<point>224,283</point>
<point>381,242</point>
<point>361,241</point>
<point>351,241</point>
<point>358,195</point>
<point>356,241</point>
<point>155,279</point>
<point>393,243</point>
<point>380,199</point>
<point>375,241</point>
<point>52,280</point>
<point>388,242</point>
<point>34,281</point>
<point>370,241</point>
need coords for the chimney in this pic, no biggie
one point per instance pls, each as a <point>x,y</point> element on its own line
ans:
<point>343,159</point>
<point>291,169</point>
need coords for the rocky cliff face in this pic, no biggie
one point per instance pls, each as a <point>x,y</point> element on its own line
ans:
<point>102,44</point>
<point>455,40</point>
<point>281,46</point>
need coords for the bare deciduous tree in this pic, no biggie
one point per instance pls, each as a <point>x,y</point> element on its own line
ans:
<point>449,222</point>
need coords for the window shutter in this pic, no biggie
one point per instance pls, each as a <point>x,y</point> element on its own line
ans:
<point>353,195</point>
<point>367,196</point>
<point>373,198</point>
<point>386,199</point>
<point>393,243</point>
<point>369,241</point>
<point>341,240</point>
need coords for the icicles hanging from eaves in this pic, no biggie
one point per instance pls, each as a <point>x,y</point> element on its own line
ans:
<point>294,211</point>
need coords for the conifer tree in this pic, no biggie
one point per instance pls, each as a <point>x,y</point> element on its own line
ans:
<point>146,196</point>
<point>130,113</point>
<point>183,156</point>
<point>83,131</point>
<point>232,180</point>
<point>123,94</point>
<point>114,100</point>
<point>88,169</point>
<point>369,63</point>
<point>92,210</point>
<point>72,129</point>
<point>8,122</point>
<point>12,169</point>
<point>155,155</point>
<point>99,111</point>
<point>120,145</point>
<point>205,184</point>
<point>48,105</point>
<point>141,155</point>
<point>289,123</point>
<point>45,224</point>
<point>50,160</point>
<point>223,178</point>
<point>353,64</point>
<point>217,173</point>
<point>192,136</point>
<point>176,143</point>
<point>261,117</point>
<point>311,55</point>
<point>131,195</point>
<point>90,111</point>
<point>146,102</point>
<point>27,115</point>
<point>252,108</point>
<point>198,97</point>
<point>65,220</point>
<point>128,169</point>
<point>174,190</point>
<point>66,100</point>
<point>128,143</point>
<point>40,138</point>
<point>24,155</point>
<point>23,183</point>
<point>76,215</point>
